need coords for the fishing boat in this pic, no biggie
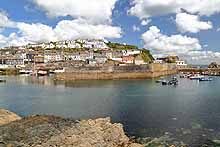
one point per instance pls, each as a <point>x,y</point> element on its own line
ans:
<point>160,80</point>
<point>173,81</point>
<point>42,73</point>
<point>59,70</point>
<point>164,82</point>
<point>2,81</point>
<point>23,71</point>
<point>196,77</point>
<point>183,76</point>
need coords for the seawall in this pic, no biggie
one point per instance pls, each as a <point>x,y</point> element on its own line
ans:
<point>113,73</point>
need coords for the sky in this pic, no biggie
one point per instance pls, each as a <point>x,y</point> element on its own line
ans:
<point>187,28</point>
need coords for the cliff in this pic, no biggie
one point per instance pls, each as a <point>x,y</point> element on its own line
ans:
<point>51,131</point>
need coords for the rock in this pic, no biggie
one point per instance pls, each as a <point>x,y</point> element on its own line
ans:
<point>135,145</point>
<point>51,131</point>
<point>195,125</point>
<point>216,141</point>
<point>7,117</point>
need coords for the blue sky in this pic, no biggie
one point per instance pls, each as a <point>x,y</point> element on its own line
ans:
<point>190,33</point>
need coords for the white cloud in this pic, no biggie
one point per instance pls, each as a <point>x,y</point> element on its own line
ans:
<point>191,23</point>
<point>4,20</point>
<point>36,32</point>
<point>202,57</point>
<point>174,44</point>
<point>90,19</point>
<point>95,11</point>
<point>74,29</point>
<point>148,8</point>
<point>186,48</point>
<point>64,30</point>
<point>12,40</point>
<point>135,28</point>
<point>218,30</point>
<point>145,22</point>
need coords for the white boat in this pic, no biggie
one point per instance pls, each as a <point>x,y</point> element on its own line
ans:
<point>42,73</point>
<point>24,71</point>
<point>206,79</point>
<point>59,70</point>
<point>196,77</point>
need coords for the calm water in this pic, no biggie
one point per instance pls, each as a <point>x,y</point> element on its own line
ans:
<point>142,106</point>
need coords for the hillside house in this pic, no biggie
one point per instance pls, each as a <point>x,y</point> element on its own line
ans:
<point>181,64</point>
<point>130,52</point>
<point>128,59</point>
<point>11,61</point>
<point>39,59</point>
<point>53,57</point>
<point>138,60</point>
<point>72,56</point>
<point>100,59</point>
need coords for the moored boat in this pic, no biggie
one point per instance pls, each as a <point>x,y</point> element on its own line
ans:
<point>196,77</point>
<point>2,81</point>
<point>59,70</point>
<point>23,71</point>
<point>206,79</point>
<point>42,73</point>
<point>165,82</point>
<point>160,80</point>
<point>173,81</point>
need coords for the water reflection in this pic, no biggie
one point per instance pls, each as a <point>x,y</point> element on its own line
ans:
<point>190,110</point>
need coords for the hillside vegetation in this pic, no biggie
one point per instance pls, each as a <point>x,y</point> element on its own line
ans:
<point>147,56</point>
<point>118,46</point>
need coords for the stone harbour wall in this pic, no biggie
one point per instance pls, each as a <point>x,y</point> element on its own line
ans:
<point>123,72</point>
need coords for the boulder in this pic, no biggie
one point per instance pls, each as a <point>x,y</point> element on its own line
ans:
<point>7,117</point>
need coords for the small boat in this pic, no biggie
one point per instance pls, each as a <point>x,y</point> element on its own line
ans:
<point>174,81</point>
<point>42,73</point>
<point>165,82</point>
<point>206,79</point>
<point>23,71</point>
<point>59,70</point>
<point>196,77</point>
<point>160,80</point>
<point>183,76</point>
<point>2,81</point>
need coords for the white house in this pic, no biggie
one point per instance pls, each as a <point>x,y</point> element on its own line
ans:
<point>53,57</point>
<point>100,59</point>
<point>130,52</point>
<point>72,56</point>
<point>138,60</point>
<point>181,64</point>
<point>157,61</point>
<point>61,44</point>
<point>98,44</point>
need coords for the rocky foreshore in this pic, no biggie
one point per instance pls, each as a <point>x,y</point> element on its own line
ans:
<point>52,131</point>
<point>7,117</point>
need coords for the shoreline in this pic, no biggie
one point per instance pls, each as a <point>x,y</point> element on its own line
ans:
<point>49,130</point>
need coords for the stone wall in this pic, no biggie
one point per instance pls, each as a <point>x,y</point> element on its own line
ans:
<point>117,72</point>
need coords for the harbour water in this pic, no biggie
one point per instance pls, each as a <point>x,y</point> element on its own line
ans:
<point>189,112</point>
